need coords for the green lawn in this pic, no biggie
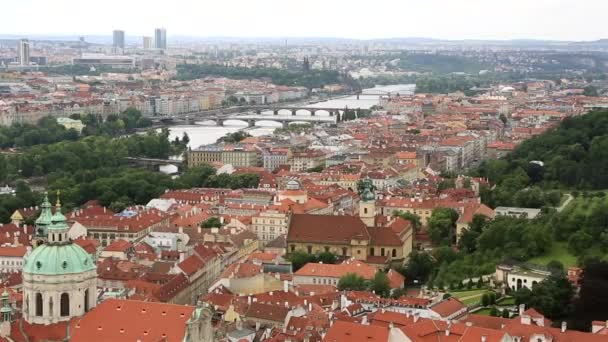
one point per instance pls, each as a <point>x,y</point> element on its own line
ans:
<point>468,293</point>
<point>506,301</point>
<point>472,300</point>
<point>559,252</point>
<point>485,312</point>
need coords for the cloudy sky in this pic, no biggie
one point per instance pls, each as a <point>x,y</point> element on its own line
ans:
<point>448,19</point>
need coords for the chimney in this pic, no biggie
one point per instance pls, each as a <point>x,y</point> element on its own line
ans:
<point>416,317</point>
<point>522,308</point>
<point>199,229</point>
<point>564,327</point>
<point>257,326</point>
<point>249,300</point>
<point>285,286</point>
<point>391,325</point>
<point>309,307</point>
<point>483,338</point>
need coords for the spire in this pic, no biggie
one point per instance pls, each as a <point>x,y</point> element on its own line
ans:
<point>6,310</point>
<point>45,218</point>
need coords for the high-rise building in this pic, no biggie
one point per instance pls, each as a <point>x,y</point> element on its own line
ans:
<point>147,42</point>
<point>160,38</point>
<point>119,39</point>
<point>24,52</point>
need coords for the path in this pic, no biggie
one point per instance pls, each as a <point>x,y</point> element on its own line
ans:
<point>565,204</point>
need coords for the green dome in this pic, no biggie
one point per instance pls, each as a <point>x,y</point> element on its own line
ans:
<point>58,260</point>
<point>367,195</point>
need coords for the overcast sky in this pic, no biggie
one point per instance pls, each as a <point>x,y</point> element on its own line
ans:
<point>448,19</point>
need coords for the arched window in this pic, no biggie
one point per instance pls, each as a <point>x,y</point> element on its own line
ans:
<point>394,253</point>
<point>38,304</point>
<point>86,300</point>
<point>65,304</point>
<point>59,237</point>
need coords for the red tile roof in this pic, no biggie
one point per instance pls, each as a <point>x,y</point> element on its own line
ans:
<point>352,332</point>
<point>326,229</point>
<point>127,320</point>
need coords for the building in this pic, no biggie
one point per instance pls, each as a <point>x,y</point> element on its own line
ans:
<point>68,123</point>
<point>147,43</point>
<point>118,39</point>
<point>11,258</point>
<point>274,158</point>
<point>24,52</point>
<point>302,161</point>
<point>329,274</point>
<point>59,277</point>
<point>516,277</point>
<point>129,320</point>
<point>269,225</point>
<point>101,59</point>
<point>160,38</point>
<point>237,156</point>
<point>348,236</point>
<point>528,213</point>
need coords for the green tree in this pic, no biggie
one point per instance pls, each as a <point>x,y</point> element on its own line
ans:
<point>419,267</point>
<point>299,259</point>
<point>579,242</point>
<point>212,222</point>
<point>380,284</point>
<point>441,225</point>
<point>413,218</point>
<point>327,258</point>
<point>352,282</point>
<point>485,299</point>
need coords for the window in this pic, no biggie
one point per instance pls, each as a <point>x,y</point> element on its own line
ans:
<point>38,304</point>
<point>293,248</point>
<point>65,305</point>
<point>327,249</point>
<point>344,250</point>
<point>394,253</point>
<point>86,300</point>
<point>309,249</point>
<point>365,210</point>
<point>371,251</point>
<point>382,251</point>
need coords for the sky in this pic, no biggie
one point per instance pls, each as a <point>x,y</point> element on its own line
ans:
<point>359,19</point>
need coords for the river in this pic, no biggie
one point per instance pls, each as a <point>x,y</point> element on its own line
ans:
<point>203,135</point>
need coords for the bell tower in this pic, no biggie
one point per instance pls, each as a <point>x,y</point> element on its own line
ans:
<point>367,204</point>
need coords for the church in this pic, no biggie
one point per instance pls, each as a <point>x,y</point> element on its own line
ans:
<point>60,298</point>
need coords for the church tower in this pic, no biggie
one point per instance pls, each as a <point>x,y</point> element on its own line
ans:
<point>43,222</point>
<point>367,204</point>
<point>59,277</point>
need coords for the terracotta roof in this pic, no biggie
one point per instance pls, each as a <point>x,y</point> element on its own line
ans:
<point>268,312</point>
<point>118,246</point>
<point>336,271</point>
<point>448,307</point>
<point>127,320</point>
<point>16,252</point>
<point>326,229</point>
<point>384,237</point>
<point>191,264</point>
<point>346,331</point>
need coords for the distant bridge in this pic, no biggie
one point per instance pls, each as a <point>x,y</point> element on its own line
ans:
<point>155,164</point>
<point>252,119</point>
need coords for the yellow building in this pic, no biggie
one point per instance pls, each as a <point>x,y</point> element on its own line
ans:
<point>68,123</point>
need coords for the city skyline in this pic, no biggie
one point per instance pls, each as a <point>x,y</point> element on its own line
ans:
<point>470,19</point>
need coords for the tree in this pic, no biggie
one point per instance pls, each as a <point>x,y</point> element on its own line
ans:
<point>503,118</point>
<point>505,313</point>
<point>590,91</point>
<point>211,223</point>
<point>419,267</point>
<point>413,218</point>
<point>552,297</point>
<point>470,284</point>
<point>592,302</point>
<point>380,284</point>
<point>494,311</point>
<point>579,242</point>
<point>441,225</point>
<point>352,282</point>
<point>485,299</point>
<point>327,258</point>
<point>479,283</point>
<point>299,259</point>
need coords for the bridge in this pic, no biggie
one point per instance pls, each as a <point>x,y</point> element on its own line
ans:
<point>284,120</point>
<point>155,164</point>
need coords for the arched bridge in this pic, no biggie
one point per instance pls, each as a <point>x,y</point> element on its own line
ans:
<point>251,119</point>
<point>155,164</point>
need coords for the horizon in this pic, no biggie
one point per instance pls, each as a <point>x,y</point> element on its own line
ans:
<point>546,20</point>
